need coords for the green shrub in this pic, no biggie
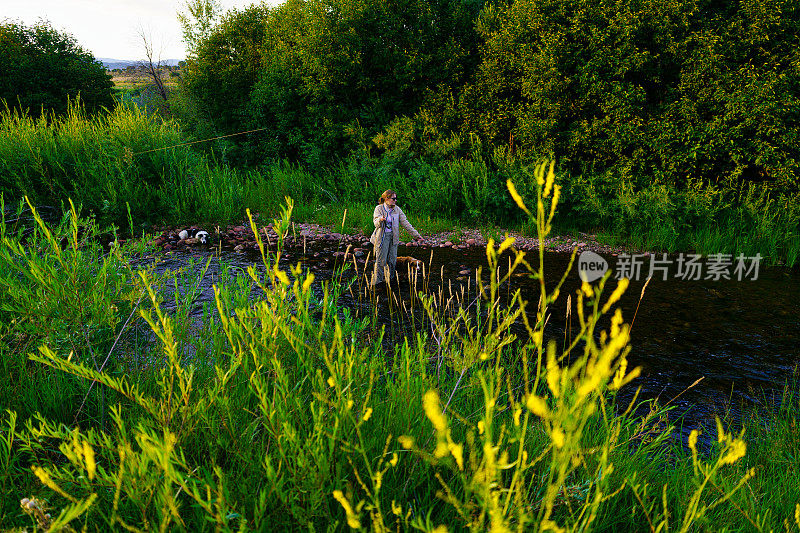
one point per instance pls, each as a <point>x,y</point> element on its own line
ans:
<point>44,70</point>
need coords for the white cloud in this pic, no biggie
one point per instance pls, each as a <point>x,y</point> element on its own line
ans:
<point>110,28</point>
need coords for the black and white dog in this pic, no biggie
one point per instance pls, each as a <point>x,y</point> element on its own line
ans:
<point>192,233</point>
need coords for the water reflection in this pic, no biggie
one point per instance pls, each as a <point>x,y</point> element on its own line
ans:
<point>741,337</point>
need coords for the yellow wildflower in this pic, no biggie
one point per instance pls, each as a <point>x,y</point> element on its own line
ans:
<point>458,453</point>
<point>406,441</point>
<point>432,410</point>
<point>307,283</point>
<point>352,519</point>
<point>558,437</point>
<point>622,286</point>
<point>538,406</point>
<point>516,196</point>
<point>734,452</point>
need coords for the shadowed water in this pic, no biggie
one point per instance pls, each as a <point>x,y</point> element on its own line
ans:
<point>741,337</point>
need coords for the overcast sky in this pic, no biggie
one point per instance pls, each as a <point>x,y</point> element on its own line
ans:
<point>109,28</point>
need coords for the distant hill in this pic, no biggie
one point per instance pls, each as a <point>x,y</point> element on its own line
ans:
<point>110,63</point>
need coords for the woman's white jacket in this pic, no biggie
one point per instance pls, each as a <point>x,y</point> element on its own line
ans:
<point>398,219</point>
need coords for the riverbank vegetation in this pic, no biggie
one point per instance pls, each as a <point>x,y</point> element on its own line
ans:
<point>332,103</point>
<point>288,411</point>
<point>675,124</point>
<point>128,164</point>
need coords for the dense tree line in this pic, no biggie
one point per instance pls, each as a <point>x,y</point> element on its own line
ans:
<point>676,90</point>
<point>329,76</point>
<point>42,70</point>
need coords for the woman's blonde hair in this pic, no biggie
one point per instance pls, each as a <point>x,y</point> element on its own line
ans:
<point>386,194</point>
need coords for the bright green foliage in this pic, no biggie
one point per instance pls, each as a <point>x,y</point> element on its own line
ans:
<point>42,70</point>
<point>678,90</point>
<point>226,66</point>
<point>197,21</point>
<point>129,163</point>
<point>736,111</point>
<point>671,119</point>
<point>112,162</point>
<point>289,415</point>
<point>326,76</point>
<point>89,301</point>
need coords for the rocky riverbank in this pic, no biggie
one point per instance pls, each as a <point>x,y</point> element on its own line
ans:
<point>240,238</point>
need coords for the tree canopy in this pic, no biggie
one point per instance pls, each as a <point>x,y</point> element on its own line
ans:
<point>41,69</point>
<point>328,75</point>
<point>681,91</point>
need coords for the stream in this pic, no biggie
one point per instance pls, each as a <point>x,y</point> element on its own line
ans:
<point>741,339</point>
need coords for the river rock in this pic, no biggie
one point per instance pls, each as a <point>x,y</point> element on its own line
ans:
<point>471,242</point>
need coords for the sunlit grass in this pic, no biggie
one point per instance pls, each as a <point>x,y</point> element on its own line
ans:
<point>288,412</point>
<point>126,161</point>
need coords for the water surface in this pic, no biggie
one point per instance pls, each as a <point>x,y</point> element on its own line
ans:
<point>741,337</point>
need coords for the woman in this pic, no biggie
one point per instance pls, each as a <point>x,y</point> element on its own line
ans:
<point>388,218</point>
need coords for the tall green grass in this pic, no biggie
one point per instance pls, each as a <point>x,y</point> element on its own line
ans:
<point>701,218</point>
<point>126,162</point>
<point>106,160</point>
<point>296,417</point>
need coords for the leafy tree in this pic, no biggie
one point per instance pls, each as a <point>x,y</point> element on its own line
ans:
<point>735,113</point>
<point>328,75</point>
<point>198,21</point>
<point>41,69</point>
<point>577,78</point>
<point>679,90</point>
<point>218,79</point>
<point>337,72</point>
